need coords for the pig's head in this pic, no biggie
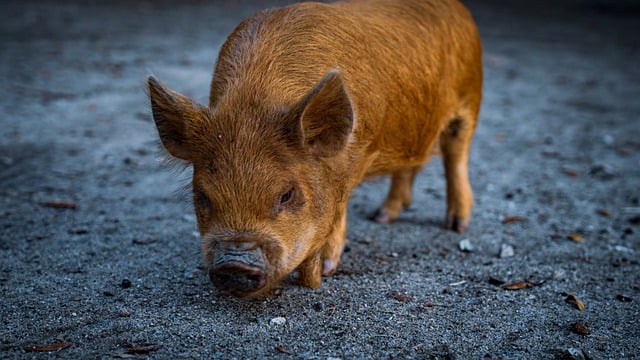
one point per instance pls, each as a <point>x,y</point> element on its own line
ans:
<point>266,177</point>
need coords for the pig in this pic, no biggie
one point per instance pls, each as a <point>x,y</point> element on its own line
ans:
<point>306,102</point>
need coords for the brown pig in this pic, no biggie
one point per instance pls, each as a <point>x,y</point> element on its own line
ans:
<point>307,101</point>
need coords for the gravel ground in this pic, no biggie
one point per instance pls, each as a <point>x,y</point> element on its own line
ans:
<point>98,243</point>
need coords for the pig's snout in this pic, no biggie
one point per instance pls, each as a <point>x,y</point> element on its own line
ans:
<point>238,271</point>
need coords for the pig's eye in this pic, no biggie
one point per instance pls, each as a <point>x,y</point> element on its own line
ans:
<point>202,202</point>
<point>285,199</point>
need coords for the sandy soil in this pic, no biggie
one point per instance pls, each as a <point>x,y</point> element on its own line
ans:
<point>98,248</point>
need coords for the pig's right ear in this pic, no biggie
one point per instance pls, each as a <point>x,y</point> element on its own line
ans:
<point>171,112</point>
<point>326,120</point>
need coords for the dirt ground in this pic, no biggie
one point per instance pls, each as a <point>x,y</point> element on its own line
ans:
<point>98,244</point>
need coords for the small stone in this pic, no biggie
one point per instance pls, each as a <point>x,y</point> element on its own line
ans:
<point>623,298</point>
<point>126,283</point>
<point>559,274</point>
<point>574,354</point>
<point>506,251</point>
<point>602,172</point>
<point>466,245</point>
<point>278,321</point>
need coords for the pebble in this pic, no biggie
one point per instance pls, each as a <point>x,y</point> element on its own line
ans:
<point>278,321</point>
<point>574,354</point>
<point>559,274</point>
<point>466,245</point>
<point>506,251</point>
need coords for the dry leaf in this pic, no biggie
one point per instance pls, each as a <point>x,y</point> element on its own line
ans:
<point>143,241</point>
<point>512,219</point>
<point>61,205</point>
<point>573,300</point>
<point>283,350</point>
<point>575,237</point>
<point>580,329</point>
<point>48,348</point>
<point>603,212</point>
<point>403,298</point>
<point>141,349</point>
<point>518,286</point>
<point>570,173</point>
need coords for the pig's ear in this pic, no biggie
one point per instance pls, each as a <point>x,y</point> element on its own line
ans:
<point>327,117</point>
<point>171,112</point>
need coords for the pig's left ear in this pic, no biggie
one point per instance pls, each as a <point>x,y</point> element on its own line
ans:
<point>171,112</point>
<point>327,117</point>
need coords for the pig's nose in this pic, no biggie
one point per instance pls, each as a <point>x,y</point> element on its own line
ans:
<point>237,278</point>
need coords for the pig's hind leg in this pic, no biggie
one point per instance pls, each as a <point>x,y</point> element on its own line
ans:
<point>455,141</point>
<point>399,197</point>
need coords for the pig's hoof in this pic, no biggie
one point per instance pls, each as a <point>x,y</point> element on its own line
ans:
<point>329,267</point>
<point>381,216</point>
<point>456,224</point>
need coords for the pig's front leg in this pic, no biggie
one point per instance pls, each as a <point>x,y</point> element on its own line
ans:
<point>332,250</point>
<point>325,262</point>
<point>311,272</point>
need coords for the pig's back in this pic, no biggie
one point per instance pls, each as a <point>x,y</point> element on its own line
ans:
<point>393,56</point>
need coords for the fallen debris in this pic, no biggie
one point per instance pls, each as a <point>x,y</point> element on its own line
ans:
<point>518,286</point>
<point>48,348</point>
<point>283,350</point>
<point>575,237</point>
<point>61,205</point>
<point>139,350</point>
<point>403,298</point>
<point>580,329</point>
<point>623,298</point>
<point>513,219</point>
<point>573,300</point>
